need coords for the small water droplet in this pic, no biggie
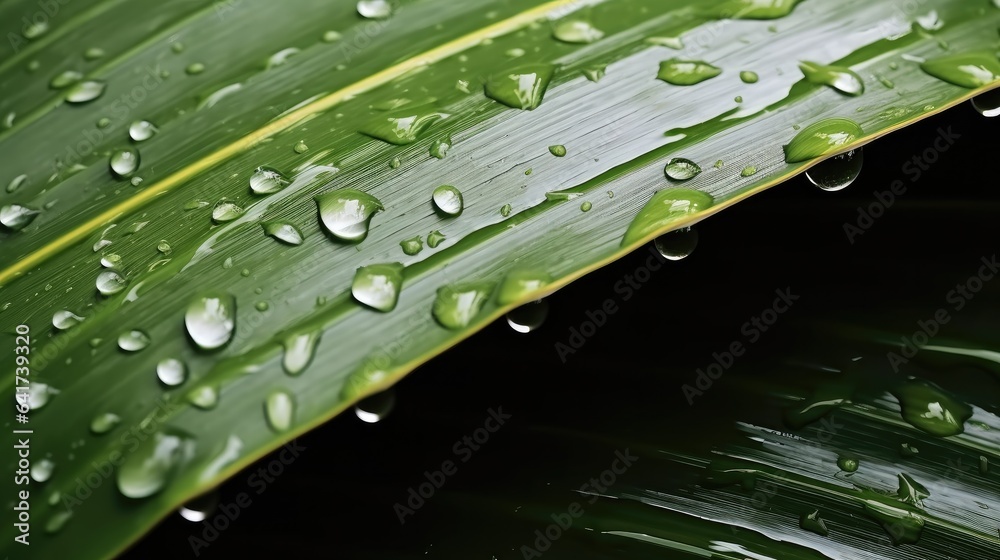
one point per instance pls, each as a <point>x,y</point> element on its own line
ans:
<point>505,210</point>
<point>266,180</point>
<point>680,169</point>
<point>586,206</point>
<point>686,72</point>
<point>749,171</point>
<point>754,9</point>
<point>104,423</point>
<point>374,9</point>
<point>376,407</point>
<point>93,53</point>
<point>435,238</point>
<point>457,306</point>
<point>908,450</point>
<point>395,163</point>
<point>300,147</point>
<point>814,523</point>
<point>83,92</point>
<point>57,521</point>
<point>211,320</point>
<point>749,77</point>
<point>838,172</point>
<point>64,319</point>
<point>847,463</point>
<point>171,372</point>
<point>665,208</point>
<point>595,73</point>
<point>347,213</point>
<point>670,42</point>
<point>198,509</point>
<point>448,200</point>
<point>35,29</point>
<point>110,282</point>
<point>16,217</point>
<point>677,245</point>
<point>261,306</point>
<point>111,260</point>
<point>125,162</point>
<point>133,341</point>
<point>279,409</point>
<point>520,88</point>
<point>404,127</point>
<point>65,79</point>
<point>529,317</point>
<point>412,246</point>
<point>226,211</point>
<point>147,470</point>
<point>577,32</point>
<point>281,57</point>
<point>331,37</point>
<point>16,183</point>
<point>284,232</point>
<point>195,68</point>
<point>821,138</point>
<point>558,150</point>
<point>204,397</point>
<point>141,130</point>
<point>39,394</point>
<point>378,286</point>
<point>840,78</point>
<point>299,352</point>
<point>440,147</point>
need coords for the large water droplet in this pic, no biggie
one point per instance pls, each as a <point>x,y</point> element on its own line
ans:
<point>402,128</point>
<point>457,306</point>
<point>125,162</point>
<point>110,282</point>
<point>838,172</point>
<point>171,372</point>
<point>65,79</point>
<point>267,181</point>
<point>821,138</point>
<point>686,72</point>
<point>211,320</point>
<point>520,88</point>
<point>528,317</point>
<point>519,284</point>
<point>930,409</point>
<point>16,217</point>
<point>374,9</point>
<point>665,208</point>
<point>680,169</point>
<point>104,423</point>
<point>279,409</point>
<point>133,341</point>
<point>378,285</point>
<point>147,470</point>
<point>83,92</point>
<point>988,105</point>
<point>677,245</point>
<point>376,407</point>
<point>299,352</point>
<point>970,70</point>
<point>141,130</point>
<point>840,78</point>
<point>577,32</point>
<point>204,397</point>
<point>41,471</point>
<point>284,232</point>
<point>347,213</point>
<point>448,200</point>
<point>226,211</point>
<point>64,319</point>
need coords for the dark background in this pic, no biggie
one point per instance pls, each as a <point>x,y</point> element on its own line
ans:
<point>336,499</point>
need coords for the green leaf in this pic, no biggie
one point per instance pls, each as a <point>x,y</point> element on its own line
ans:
<point>304,112</point>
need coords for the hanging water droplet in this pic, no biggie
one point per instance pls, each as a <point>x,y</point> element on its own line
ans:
<point>146,470</point>
<point>125,162</point>
<point>347,213</point>
<point>226,211</point>
<point>16,217</point>
<point>141,130</point>
<point>266,180</point>
<point>376,407</point>
<point>83,92</point>
<point>457,306</point>
<point>299,352</point>
<point>686,72</point>
<point>413,246</point>
<point>200,508</point>
<point>677,245</point>
<point>378,286</point>
<point>284,232</point>
<point>204,397</point>
<point>133,341</point>
<point>374,9</point>
<point>529,317</point>
<point>110,282</point>
<point>840,78</point>
<point>171,372</point>
<point>65,79</point>
<point>577,32</point>
<point>666,208</point>
<point>969,70</point>
<point>41,471</point>
<point>64,319</point>
<point>821,138</point>
<point>104,423</point>
<point>279,409</point>
<point>520,88</point>
<point>838,172</point>
<point>211,320</point>
<point>988,105</point>
<point>448,200</point>
<point>680,169</point>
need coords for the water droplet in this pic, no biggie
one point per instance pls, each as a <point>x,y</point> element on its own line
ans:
<point>261,306</point>
<point>969,70</point>
<point>171,372</point>
<point>404,127</point>
<point>376,407</point>
<point>813,522</point>
<point>840,78</point>
<point>204,397</point>
<point>518,284</point>
<point>104,423</point>
<point>35,29</point>
<point>686,72</point>
<point>558,151</point>
<point>111,260</point>
<point>754,9</point>
<point>680,169</point>
<point>988,105</point>
<point>440,147</point>
<point>670,42</point>
<point>65,79</point>
<point>226,211</point>
<point>110,282</point>
<point>520,88</point>
<point>457,306</point>
<point>748,171</point>
<point>284,232</point>
<point>211,320</point>
<point>93,53</point>
<point>83,92</point>
<point>347,213</point>
<point>64,319</point>
<point>177,47</point>
<point>930,409</point>
<point>666,208</point>
<point>39,394</point>
<point>57,521</point>
<point>374,9</point>
<point>147,470</point>
<point>821,138</point>
<point>133,341</point>
<point>299,351</point>
<point>529,317</point>
<point>413,246</point>
<point>41,471</point>
<point>838,172</point>
<point>16,183</point>
<point>378,285</point>
<point>435,238</point>
<point>331,37</point>
<point>848,464</point>
<point>677,245</point>
<point>595,73</point>
<point>198,509</point>
<point>448,200</point>
<point>395,163</point>
<point>505,210</point>
<point>266,180</point>
<point>279,409</point>
<point>125,162</point>
<point>16,217</point>
<point>281,57</point>
<point>749,77</point>
<point>141,130</point>
<point>907,450</point>
<point>586,206</point>
<point>577,32</point>
<point>195,68</point>
<point>910,491</point>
